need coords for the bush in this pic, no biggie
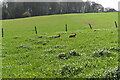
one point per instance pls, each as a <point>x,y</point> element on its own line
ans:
<point>26,14</point>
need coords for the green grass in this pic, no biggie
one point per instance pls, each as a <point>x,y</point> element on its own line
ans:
<point>24,55</point>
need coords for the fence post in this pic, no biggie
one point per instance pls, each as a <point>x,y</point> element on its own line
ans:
<point>35,29</point>
<point>116,24</point>
<point>2,32</point>
<point>66,28</point>
<point>90,26</point>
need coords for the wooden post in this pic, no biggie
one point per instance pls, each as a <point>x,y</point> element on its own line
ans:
<point>90,26</point>
<point>35,29</point>
<point>116,24</point>
<point>66,28</point>
<point>2,32</point>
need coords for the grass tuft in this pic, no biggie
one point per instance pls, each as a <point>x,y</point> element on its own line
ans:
<point>70,70</point>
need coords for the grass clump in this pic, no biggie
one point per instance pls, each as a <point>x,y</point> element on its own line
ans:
<point>60,46</point>
<point>16,37</point>
<point>114,73</point>
<point>43,42</point>
<point>73,53</point>
<point>63,56</point>
<point>70,70</point>
<point>68,54</point>
<point>49,51</point>
<point>102,52</point>
<point>114,49</point>
<point>24,46</point>
<point>31,39</point>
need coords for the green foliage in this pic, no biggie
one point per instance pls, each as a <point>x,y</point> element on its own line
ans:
<point>26,14</point>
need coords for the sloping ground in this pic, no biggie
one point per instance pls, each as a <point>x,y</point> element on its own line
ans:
<point>56,23</point>
<point>91,54</point>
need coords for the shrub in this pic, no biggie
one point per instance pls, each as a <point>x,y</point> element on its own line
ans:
<point>26,14</point>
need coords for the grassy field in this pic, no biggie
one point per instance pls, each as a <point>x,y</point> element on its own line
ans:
<point>91,54</point>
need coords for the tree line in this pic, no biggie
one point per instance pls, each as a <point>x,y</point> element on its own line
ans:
<point>27,9</point>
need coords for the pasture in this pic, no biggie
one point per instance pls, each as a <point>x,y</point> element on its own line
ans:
<point>93,53</point>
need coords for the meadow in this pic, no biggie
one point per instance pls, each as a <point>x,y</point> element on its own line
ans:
<point>93,53</point>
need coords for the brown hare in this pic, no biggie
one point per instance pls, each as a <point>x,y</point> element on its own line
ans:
<point>72,35</point>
